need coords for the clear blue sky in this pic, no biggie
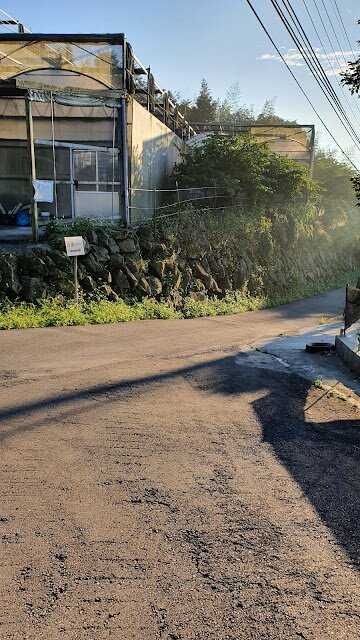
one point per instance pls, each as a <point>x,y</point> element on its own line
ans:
<point>186,40</point>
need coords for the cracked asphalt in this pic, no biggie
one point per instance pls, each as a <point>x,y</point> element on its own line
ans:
<point>162,480</point>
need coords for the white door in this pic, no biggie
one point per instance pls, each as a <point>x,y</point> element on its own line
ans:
<point>96,183</point>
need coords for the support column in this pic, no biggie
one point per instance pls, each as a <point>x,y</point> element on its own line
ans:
<point>31,149</point>
<point>312,152</point>
<point>124,158</point>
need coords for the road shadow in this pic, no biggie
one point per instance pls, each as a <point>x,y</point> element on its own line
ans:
<point>323,458</point>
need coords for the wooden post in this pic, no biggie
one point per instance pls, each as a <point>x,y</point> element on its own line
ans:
<point>31,148</point>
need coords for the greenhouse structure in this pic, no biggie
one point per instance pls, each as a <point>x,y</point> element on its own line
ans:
<point>85,131</point>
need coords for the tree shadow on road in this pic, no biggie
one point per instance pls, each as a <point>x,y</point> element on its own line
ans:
<point>322,457</point>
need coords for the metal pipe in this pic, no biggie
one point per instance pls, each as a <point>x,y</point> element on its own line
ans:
<point>72,183</point>
<point>31,149</point>
<point>124,64</point>
<point>125,160</point>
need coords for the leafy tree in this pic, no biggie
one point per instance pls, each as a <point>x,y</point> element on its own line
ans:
<point>336,197</point>
<point>351,78</point>
<point>230,110</point>
<point>268,114</point>
<point>240,166</point>
<point>205,106</point>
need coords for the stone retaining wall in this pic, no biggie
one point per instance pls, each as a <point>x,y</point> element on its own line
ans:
<point>120,263</point>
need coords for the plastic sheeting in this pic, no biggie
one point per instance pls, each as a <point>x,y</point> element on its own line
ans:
<point>73,99</point>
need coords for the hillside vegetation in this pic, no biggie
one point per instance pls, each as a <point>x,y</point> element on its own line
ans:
<point>271,234</point>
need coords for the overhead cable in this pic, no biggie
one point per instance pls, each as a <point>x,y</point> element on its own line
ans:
<point>319,76</point>
<point>347,98</point>
<point>277,49</point>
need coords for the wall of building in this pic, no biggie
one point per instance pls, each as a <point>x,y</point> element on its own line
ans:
<point>154,150</point>
<point>71,123</point>
<point>76,124</point>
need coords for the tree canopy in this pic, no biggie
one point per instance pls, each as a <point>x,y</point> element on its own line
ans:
<point>351,78</point>
<point>205,108</point>
<point>242,166</point>
<point>336,196</point>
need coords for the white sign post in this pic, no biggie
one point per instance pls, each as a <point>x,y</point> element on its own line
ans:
<point>75,246</point>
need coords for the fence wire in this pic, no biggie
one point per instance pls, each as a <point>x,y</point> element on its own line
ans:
<point>149,204</point>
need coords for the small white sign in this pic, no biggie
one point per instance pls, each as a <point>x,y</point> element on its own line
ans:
<point>43,190</point>
<point>75,245</point>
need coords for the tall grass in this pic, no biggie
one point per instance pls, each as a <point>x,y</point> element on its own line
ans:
<point>54,312</point>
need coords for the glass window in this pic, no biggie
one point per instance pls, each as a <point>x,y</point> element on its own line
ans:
<point>85,166</point>
<point>107,186</point>
<point>63,200</point>
<point>82,186</point>
<point>108,166</point>
<point>14,162</point>
<point>13,192</point>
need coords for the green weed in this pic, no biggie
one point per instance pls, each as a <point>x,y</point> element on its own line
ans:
<point>54,312</point>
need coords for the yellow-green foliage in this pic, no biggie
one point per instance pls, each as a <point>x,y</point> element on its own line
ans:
<point>232,303</point>
<point>49,313</point>
<point>54,312</point>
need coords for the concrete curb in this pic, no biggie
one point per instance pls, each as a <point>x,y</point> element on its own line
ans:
<point>347,348</point>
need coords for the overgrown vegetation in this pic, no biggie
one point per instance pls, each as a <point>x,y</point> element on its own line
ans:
<point>287,241</point>
<point>333,177</point>
<point>336,201</point>
<point>266,235</point>
<point>274,195</point>
<point>56,312</point>
<point>241,166</point>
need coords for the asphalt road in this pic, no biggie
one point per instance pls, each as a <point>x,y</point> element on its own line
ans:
<point>159,481</point>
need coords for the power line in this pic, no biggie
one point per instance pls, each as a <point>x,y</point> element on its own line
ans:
<point>332,47</point>
<point>344,28</point>
<point>347,38</point>
<point>299,84</point>
<point>328,36</point>
<point>321,78</point>
<point>307,43</point>
<point>336,35</point>
<point>10,20</point>
<point>328,58</point>
<point>334,31</point>
<point>310,57</point>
